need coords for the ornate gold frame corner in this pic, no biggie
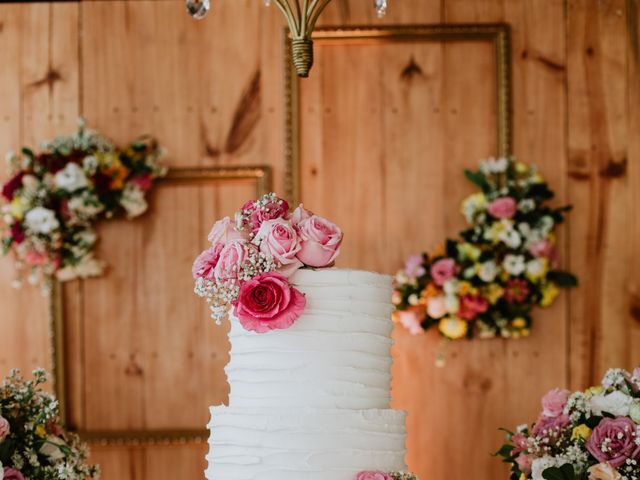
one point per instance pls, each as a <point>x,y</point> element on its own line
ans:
<point>497,33</point>
<point>262,175</point>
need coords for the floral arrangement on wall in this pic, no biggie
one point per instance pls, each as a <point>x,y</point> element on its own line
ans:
<point>487,282</point>
<point>250,260</point>
<point>592,434</point>
<point>33,444</point>
<point>56,195</point>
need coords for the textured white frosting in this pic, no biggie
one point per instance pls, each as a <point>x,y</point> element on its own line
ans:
<point>311,402</point>
<point>303,444</point>
<point>336,355</point>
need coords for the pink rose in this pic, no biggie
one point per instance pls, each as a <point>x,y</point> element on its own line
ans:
<point>34,257</point>
<point>279,240</point>
<point>258,213</point>
<point>268,302</point>
<point>520,441</point>
<point>546,424</point>
<point>471,307</point>
<point>443,270</point>
<point>613,441</point>
<point>143,182</point>
<point>205,264</point>
<point>320,241</point>
<point>373,475</point>
<point>524,463</point>
<point>300,214</point>
<point>5,428</point>
<point>224,231</point>
<point>232,258</point>
<point>12,474</point>
<point>414,266</point>
<point>411,321</point>
<point>504,207</point>
<point>554,401</point>
<point>436,307</point>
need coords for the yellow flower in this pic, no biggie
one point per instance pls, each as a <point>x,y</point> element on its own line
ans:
<point>453,327</point>
<point>525,332</point>
<point>464,288</point>
<point>519,323</point>
<point>522,168</point>
<point>523,476</point>
<point>581,431</point>
<point>597,390</point>
<point>537,178</point>
<point>469,251</point>
<point>549,293</point>
<point>18,207</point>
<point>495,230</point>
<point>41,431</point>
<point>504,276</point>
<point>537,269</point>
<point>493,293</point>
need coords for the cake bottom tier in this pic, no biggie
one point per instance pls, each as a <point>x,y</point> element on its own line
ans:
<point>303,444</point>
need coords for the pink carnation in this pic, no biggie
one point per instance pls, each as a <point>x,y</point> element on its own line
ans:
<point>443,270</point>
<point>373,475</point>
<point>268,302</point>
<point>504,207</point>
<point>206,262</point>
<point>554,401</point>
<point>12,474</point>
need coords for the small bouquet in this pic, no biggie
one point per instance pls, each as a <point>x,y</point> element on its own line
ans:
<point>33,445</point>
<point>487,282</point>
<point>592,435</point>
<point>378,475</point>
<point>250,260</point>
<point>56,195</point>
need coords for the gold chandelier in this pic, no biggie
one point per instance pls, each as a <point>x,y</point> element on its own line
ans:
<point>301,16</point>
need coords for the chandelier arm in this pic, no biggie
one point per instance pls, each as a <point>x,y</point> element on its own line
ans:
<point>285,8</point>
<point>304,17</point>
<point>299,17</point>
<point>318,6</point>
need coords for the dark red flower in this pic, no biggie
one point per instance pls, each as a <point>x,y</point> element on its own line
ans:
<point>102,183</point>
<point>10,188</point>
<point>17,232</point>
<point>516,290</point>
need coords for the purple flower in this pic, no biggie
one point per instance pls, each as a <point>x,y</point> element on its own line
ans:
<point>613,441</point>
<point>414,267</point>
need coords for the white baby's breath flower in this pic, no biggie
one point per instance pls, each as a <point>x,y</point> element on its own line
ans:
<point>494,165</point>
<point>539,465</point>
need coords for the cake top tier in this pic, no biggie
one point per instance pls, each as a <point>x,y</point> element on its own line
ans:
<point>336,355</point>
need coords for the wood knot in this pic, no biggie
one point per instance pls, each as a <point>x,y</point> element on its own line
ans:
<point>411,70</point>
<point>133,368</point>
<point>614,169</point>
<point>634,309</point>
<point>474,383</point>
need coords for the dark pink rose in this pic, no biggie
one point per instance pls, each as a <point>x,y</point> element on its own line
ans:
<point>258,213</point>
<point>5,428</point>
<point>34,257</point>
<point>205,264</point>
<point>12,474</point>
<point>471,307</point>
<point>504,207</point>
<point>232,258</point>
<point>279,240</point>
<point>516,291</point>
<point>224,231</point>
<point>546,424</point>
<point>554,401</point>
<point>320,241</point>
<point>520,442</point>
<point>373,475</point>
<point>268,302</point>
<point>542,248</point>
<point>14,184</point>
<point>300,214</point>
<point>143,182</point>
<point>524,463</point>
<point>443,270</point>
<point>613,441</point>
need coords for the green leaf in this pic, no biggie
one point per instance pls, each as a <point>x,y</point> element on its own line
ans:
<point>504,451</point>
<point>477,178</point>
<point>563,279</point>
<point>565,472</point>
<point>28,152</point>
<point>592,422</point>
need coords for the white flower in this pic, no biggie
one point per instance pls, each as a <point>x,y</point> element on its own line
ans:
<point>413,299</point>
<point>1,471</point>
<point>133,200</point>
<point>71,178</point>
<point>494,165</point>
<point>539,465</point>
<point>510,238</point>
<point>52,448</point>
<point>450,287</point>
<point>546,225</point>
<point>88,267</point>
<point>41,220</point>
<point>90,164</point>
<point>85,206</point>
<point>536,267</point>
<point>452,304</point>
<point>616,403</point>
<point>514,264</point>
<point>603,471</point>
<point>488,271</point>
<point>527,205</point>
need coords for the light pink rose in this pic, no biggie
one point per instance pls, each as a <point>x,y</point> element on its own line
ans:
<point>524,463</point>
<point>373,475</point>
<point>279,240</point>
<point>300,214</point>
<point>443,270</point>
<point>5,428</point>
<point>224,231</point>
<point>268,302</point>
<point>411,321</point>
<point>320,241</point>
<point>554,401</point>
<point>12,474</point>
<point>544,249</point>
<point>436,307</point>
<point>205,264</point>
<point>232,257</point>
<point>504,207</point>
<point>545,424</point>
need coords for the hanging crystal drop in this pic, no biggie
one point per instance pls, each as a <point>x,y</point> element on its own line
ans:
<point>267,2</point>
<point>198,8</point>
<point>381,7</point>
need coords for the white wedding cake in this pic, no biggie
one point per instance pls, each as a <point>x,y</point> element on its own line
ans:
<point>311,402</point>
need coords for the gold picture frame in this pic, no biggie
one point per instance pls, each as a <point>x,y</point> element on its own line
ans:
<point>262,177</point>
<point>497,33</point>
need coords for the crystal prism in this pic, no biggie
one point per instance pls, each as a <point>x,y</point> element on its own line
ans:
<point>381,7</point>
<point>198,8</point>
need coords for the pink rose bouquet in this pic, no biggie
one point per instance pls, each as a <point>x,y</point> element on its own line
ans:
<point>592,434</point>
<point>380,475</point>
<point>250,260</point>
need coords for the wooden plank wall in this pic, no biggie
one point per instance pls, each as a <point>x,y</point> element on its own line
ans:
<point>213,92</point>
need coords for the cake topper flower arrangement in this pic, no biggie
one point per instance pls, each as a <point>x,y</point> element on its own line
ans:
<point>487,283</point>
<point>56,195</point>
<point>251,258</point>
<point>33,444</point>
<point>592,435</point>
